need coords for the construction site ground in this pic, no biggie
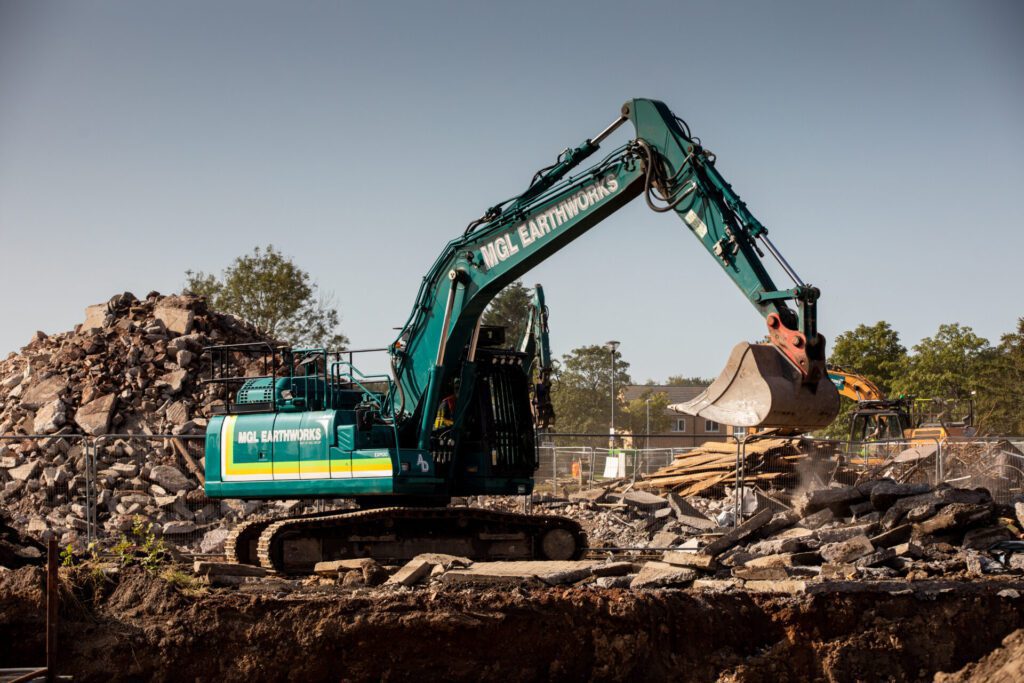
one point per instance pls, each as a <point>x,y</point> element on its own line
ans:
<point>141,625</point>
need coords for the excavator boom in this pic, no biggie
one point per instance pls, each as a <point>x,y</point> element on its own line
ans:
<point>783,384</point>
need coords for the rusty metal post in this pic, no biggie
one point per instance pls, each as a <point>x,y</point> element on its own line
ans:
<point>52,601</point>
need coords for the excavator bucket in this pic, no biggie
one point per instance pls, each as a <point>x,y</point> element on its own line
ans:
<point>760,387</point>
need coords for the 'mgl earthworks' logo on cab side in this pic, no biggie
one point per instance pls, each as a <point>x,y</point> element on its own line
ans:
<point>306,435</point>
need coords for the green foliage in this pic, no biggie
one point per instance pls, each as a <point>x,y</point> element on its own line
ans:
<point>269,290</point>
<point>510,309</point>
<point>1000,399</point>
<point>581,390</point>
<point>143,548</point>
<point>873,351</point>
<point>680,381</point>
<point>636,414</point>
<point>947,366</point>
<point>67,556</point>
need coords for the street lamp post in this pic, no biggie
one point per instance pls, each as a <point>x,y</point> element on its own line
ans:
<point>647,437</point>
<point>612,346</point>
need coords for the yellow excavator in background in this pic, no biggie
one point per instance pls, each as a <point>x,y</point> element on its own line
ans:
<point>920,420</point>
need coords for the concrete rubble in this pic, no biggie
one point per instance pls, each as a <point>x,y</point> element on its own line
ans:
<point>132,367</point>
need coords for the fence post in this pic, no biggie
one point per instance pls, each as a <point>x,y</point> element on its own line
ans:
<point>554,471</point>
<point>88,492</point>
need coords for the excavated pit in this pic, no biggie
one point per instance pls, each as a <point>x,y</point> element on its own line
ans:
<point>140,627</point>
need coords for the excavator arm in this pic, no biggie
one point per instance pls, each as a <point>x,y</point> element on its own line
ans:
<point>670,168</point>
<point>853,386</point>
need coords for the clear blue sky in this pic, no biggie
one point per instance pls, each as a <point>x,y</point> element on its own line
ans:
<point>880,142</point>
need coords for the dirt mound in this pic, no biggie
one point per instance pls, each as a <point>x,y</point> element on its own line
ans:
<point>1003,665</point>
<point>145,629</point>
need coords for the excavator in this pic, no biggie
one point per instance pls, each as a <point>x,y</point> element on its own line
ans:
<point>310,425</point>
<point>922,421</point>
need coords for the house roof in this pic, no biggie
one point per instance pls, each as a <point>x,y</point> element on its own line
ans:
<point>675,394</point>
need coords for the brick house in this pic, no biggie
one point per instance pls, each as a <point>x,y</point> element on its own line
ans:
<point>684,430</point>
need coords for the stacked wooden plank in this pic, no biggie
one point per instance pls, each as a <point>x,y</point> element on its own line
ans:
<point>706,470</point>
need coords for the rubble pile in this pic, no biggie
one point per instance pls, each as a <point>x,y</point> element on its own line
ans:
<point>132,367</point>
<point>768,463</point>
<point>874,531</point>
<point>878,529</point>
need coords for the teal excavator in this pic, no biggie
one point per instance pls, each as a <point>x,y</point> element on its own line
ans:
<point>455,415</point>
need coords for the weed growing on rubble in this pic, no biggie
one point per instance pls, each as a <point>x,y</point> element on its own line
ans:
<point>144,548</point>
<point>67,556</point>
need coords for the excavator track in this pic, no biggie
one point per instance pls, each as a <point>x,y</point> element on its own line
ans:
<point>241,544</point>
<point>397,534</point>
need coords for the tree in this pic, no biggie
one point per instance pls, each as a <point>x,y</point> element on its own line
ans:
<point>581,390</point>
<point>271,292</point>
<point>510,309</point>
<point>680,381</point>
<point>947,366</point>
<point>1000,399</point>
<point>652,403</point>
<point>873,351</point>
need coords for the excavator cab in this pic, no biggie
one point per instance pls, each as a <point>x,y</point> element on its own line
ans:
<point>881,420</point>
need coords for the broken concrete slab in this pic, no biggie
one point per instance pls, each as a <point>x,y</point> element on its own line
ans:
<point>956,516</point>
<point>176,320</point>
<point>662,575</point>
<point>681,558</point>
<point>780,522</point>
<point>760,573</point>
<point>171,478</point>
<point>553,573</point>
<point>333,567</point>
<point>664,539</point>
<point>775,546</point>
<point>411,573</point>
<point>885,494</point>
<point>589,495</point>
<point>44,392</point>
<point>876,558</point>
<point>613,581</point>
<point>838,499</point>
<point>613,569</point>
<point>817,519</point>
<point>734,536</point>
<point>443,560</point>
<point>94,416</point>
<point>715,585</point>
<point>95,317</point>
<point>789,586</point>
<point>846,551</point>
<point>844,533</point>
<point>641,499</point>
<point>895,536</point>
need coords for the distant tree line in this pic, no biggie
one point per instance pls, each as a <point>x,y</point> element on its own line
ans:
<point>954,364</point>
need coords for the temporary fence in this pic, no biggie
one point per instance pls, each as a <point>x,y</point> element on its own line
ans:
<point>84,488</point>
<point>775,477</point>
<point>568,468</point>
<point>51,488</point>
